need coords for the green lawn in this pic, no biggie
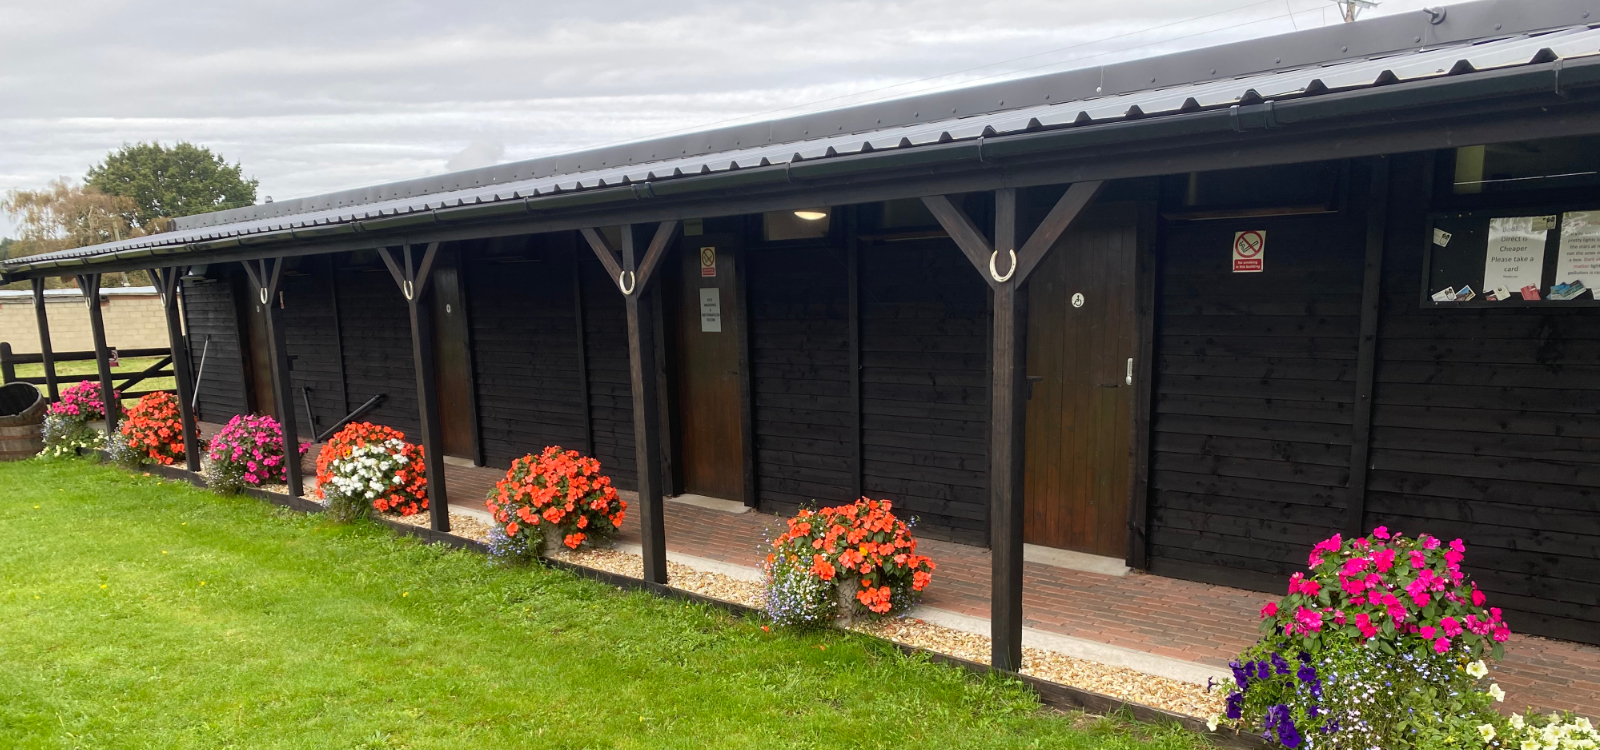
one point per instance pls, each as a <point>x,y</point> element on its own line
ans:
<point>148,614</point>
<point>129,366</point>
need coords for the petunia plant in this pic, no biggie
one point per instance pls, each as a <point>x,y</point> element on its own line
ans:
<point>860,546</point>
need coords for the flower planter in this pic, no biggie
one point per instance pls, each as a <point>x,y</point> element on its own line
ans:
<point>845,601</point>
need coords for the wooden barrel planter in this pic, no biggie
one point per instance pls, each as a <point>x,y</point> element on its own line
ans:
<point>21,421</point>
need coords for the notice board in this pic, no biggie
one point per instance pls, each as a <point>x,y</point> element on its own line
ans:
<point>1526,257</point>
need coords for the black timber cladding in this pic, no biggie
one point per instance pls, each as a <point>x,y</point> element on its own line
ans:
<point>1252,411</point>
<point>375,335</point>
<point>1484,428</point>
<point>1481,427</point>
<point>525,338</point>
<point>213,325</point>
<point>312,334</point>
<point>924,386</point>
<point>800,376</point>
<point>605,342</point>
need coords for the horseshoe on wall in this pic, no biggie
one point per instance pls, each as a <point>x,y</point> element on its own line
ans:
<point>627,289</point>
<point>262,293</point>
<point>408,289</point>
<point>995,274</point>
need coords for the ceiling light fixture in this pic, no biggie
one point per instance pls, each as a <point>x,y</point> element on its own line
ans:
<point>812,214</point>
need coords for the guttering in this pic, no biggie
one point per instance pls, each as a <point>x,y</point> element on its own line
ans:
<point>1557,79</point>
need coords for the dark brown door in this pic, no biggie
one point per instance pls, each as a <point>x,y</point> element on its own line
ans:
<point>1079,427</point>
<point>452,365</point>
<point>259,354</point>
<point>708,370</point>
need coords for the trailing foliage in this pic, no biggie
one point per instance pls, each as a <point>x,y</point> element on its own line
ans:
<point>153,431</point>
<point>371,466</point>
<point>248,452</point>
<point>1380,644</point>
<point>556,495</point>
<point>860,544</point>
<point>64,435</point>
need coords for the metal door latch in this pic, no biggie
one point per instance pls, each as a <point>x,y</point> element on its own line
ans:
<point>1129,379</point>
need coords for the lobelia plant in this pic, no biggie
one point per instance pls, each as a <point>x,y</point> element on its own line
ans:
<point>860,544</point>
<point>64,435</point>
<point>247,452</point>
<point>1380,644</point>
<point>367,466</point>
<point>557,495</point>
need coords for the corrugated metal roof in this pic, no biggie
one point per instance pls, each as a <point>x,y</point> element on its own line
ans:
<point>1460,58</point>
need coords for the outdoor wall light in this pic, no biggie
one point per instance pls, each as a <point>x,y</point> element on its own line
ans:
<point>812,214</point>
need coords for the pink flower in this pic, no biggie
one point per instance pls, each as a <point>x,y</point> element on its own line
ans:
<point>1450,626</point>
<point>1309,620</point>
<point>1382,532</point>
<point>1270,609</point>
<point>1477,596</point>
<point>1441,645</point>
<point>1383,558</point>
<point>1457,547</point>
<point>1364,624</point>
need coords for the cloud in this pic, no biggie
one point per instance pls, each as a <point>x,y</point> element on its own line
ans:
<point>476,154</point>
<point>329,95</point>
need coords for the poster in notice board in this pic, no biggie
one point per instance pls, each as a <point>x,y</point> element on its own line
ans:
<point>1485,260</point>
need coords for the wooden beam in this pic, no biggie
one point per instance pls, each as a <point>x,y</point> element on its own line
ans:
<point>1144,279</point>
<point>657,248</point>
<point>89,283</point>
<point>413,282</point>
<point>966,235</point>
<point>646,419</point>
<point>853,279</point>
<point>1008,384</point>
<point>603,251</point>
<point>1008,404</point>
<point>265,279</point>
<point>582,350</point>
<point>747,406</point>
<point>168,281</point>
<point>1367,346</point>
<point>46,353</point>
<point>1055,223</point>
<point>338,334</point>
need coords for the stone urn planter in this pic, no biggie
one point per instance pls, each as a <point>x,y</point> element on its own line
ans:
<point>845,603</point>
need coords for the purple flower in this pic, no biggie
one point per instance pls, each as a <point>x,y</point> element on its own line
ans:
<point>1280,664</point>
<point>1234,706</point>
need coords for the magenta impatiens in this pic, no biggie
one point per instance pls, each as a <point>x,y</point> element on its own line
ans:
<point>1388,584</point>
<point>82,401</point>
<point>248,451</point>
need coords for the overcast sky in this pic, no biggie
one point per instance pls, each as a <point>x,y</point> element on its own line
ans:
<point>326,95</point>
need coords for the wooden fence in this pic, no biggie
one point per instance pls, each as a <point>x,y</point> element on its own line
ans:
<point>120,381</point>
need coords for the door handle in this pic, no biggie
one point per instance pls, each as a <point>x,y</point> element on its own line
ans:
<point>1130,371</point>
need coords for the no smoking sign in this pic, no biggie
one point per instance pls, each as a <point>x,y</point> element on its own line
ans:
<point>1249,251</point>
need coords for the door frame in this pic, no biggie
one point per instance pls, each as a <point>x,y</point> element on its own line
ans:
<point>454,254</point>
<point>671,317</point>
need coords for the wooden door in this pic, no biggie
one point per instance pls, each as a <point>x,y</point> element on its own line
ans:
<point>452,363</point>
<point>1079,414</point>
<point>258,354</point>
<point>710,431</point>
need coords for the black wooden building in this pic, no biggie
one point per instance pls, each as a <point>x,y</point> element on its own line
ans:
<point>1195,312</point>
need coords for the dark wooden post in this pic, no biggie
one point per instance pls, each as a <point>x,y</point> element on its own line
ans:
<point>852,259</point>
<point>47,355</point>
<point>413,281</point>
<point>89,284</point>
<point>266,277</point>
<point>1007,389</point>
<point>633,277</point>
<point>1367,347</point>
<point>583,351</point>
<point>166,281</point>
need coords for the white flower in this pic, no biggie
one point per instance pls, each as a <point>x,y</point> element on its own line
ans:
<point>1477,669</point>
<point>1530,744</point>
<point>1496,693</point>
<point>1211,723</point>
<point>1487,730</point>
<point>1584,724</point>
<point>1517,722</point>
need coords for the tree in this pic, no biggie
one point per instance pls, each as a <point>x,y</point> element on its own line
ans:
<point>165,183</point>
<point>64,216</point>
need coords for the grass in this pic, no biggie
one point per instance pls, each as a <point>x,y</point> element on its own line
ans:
<point>127,366</point>
<point>142,613</point>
